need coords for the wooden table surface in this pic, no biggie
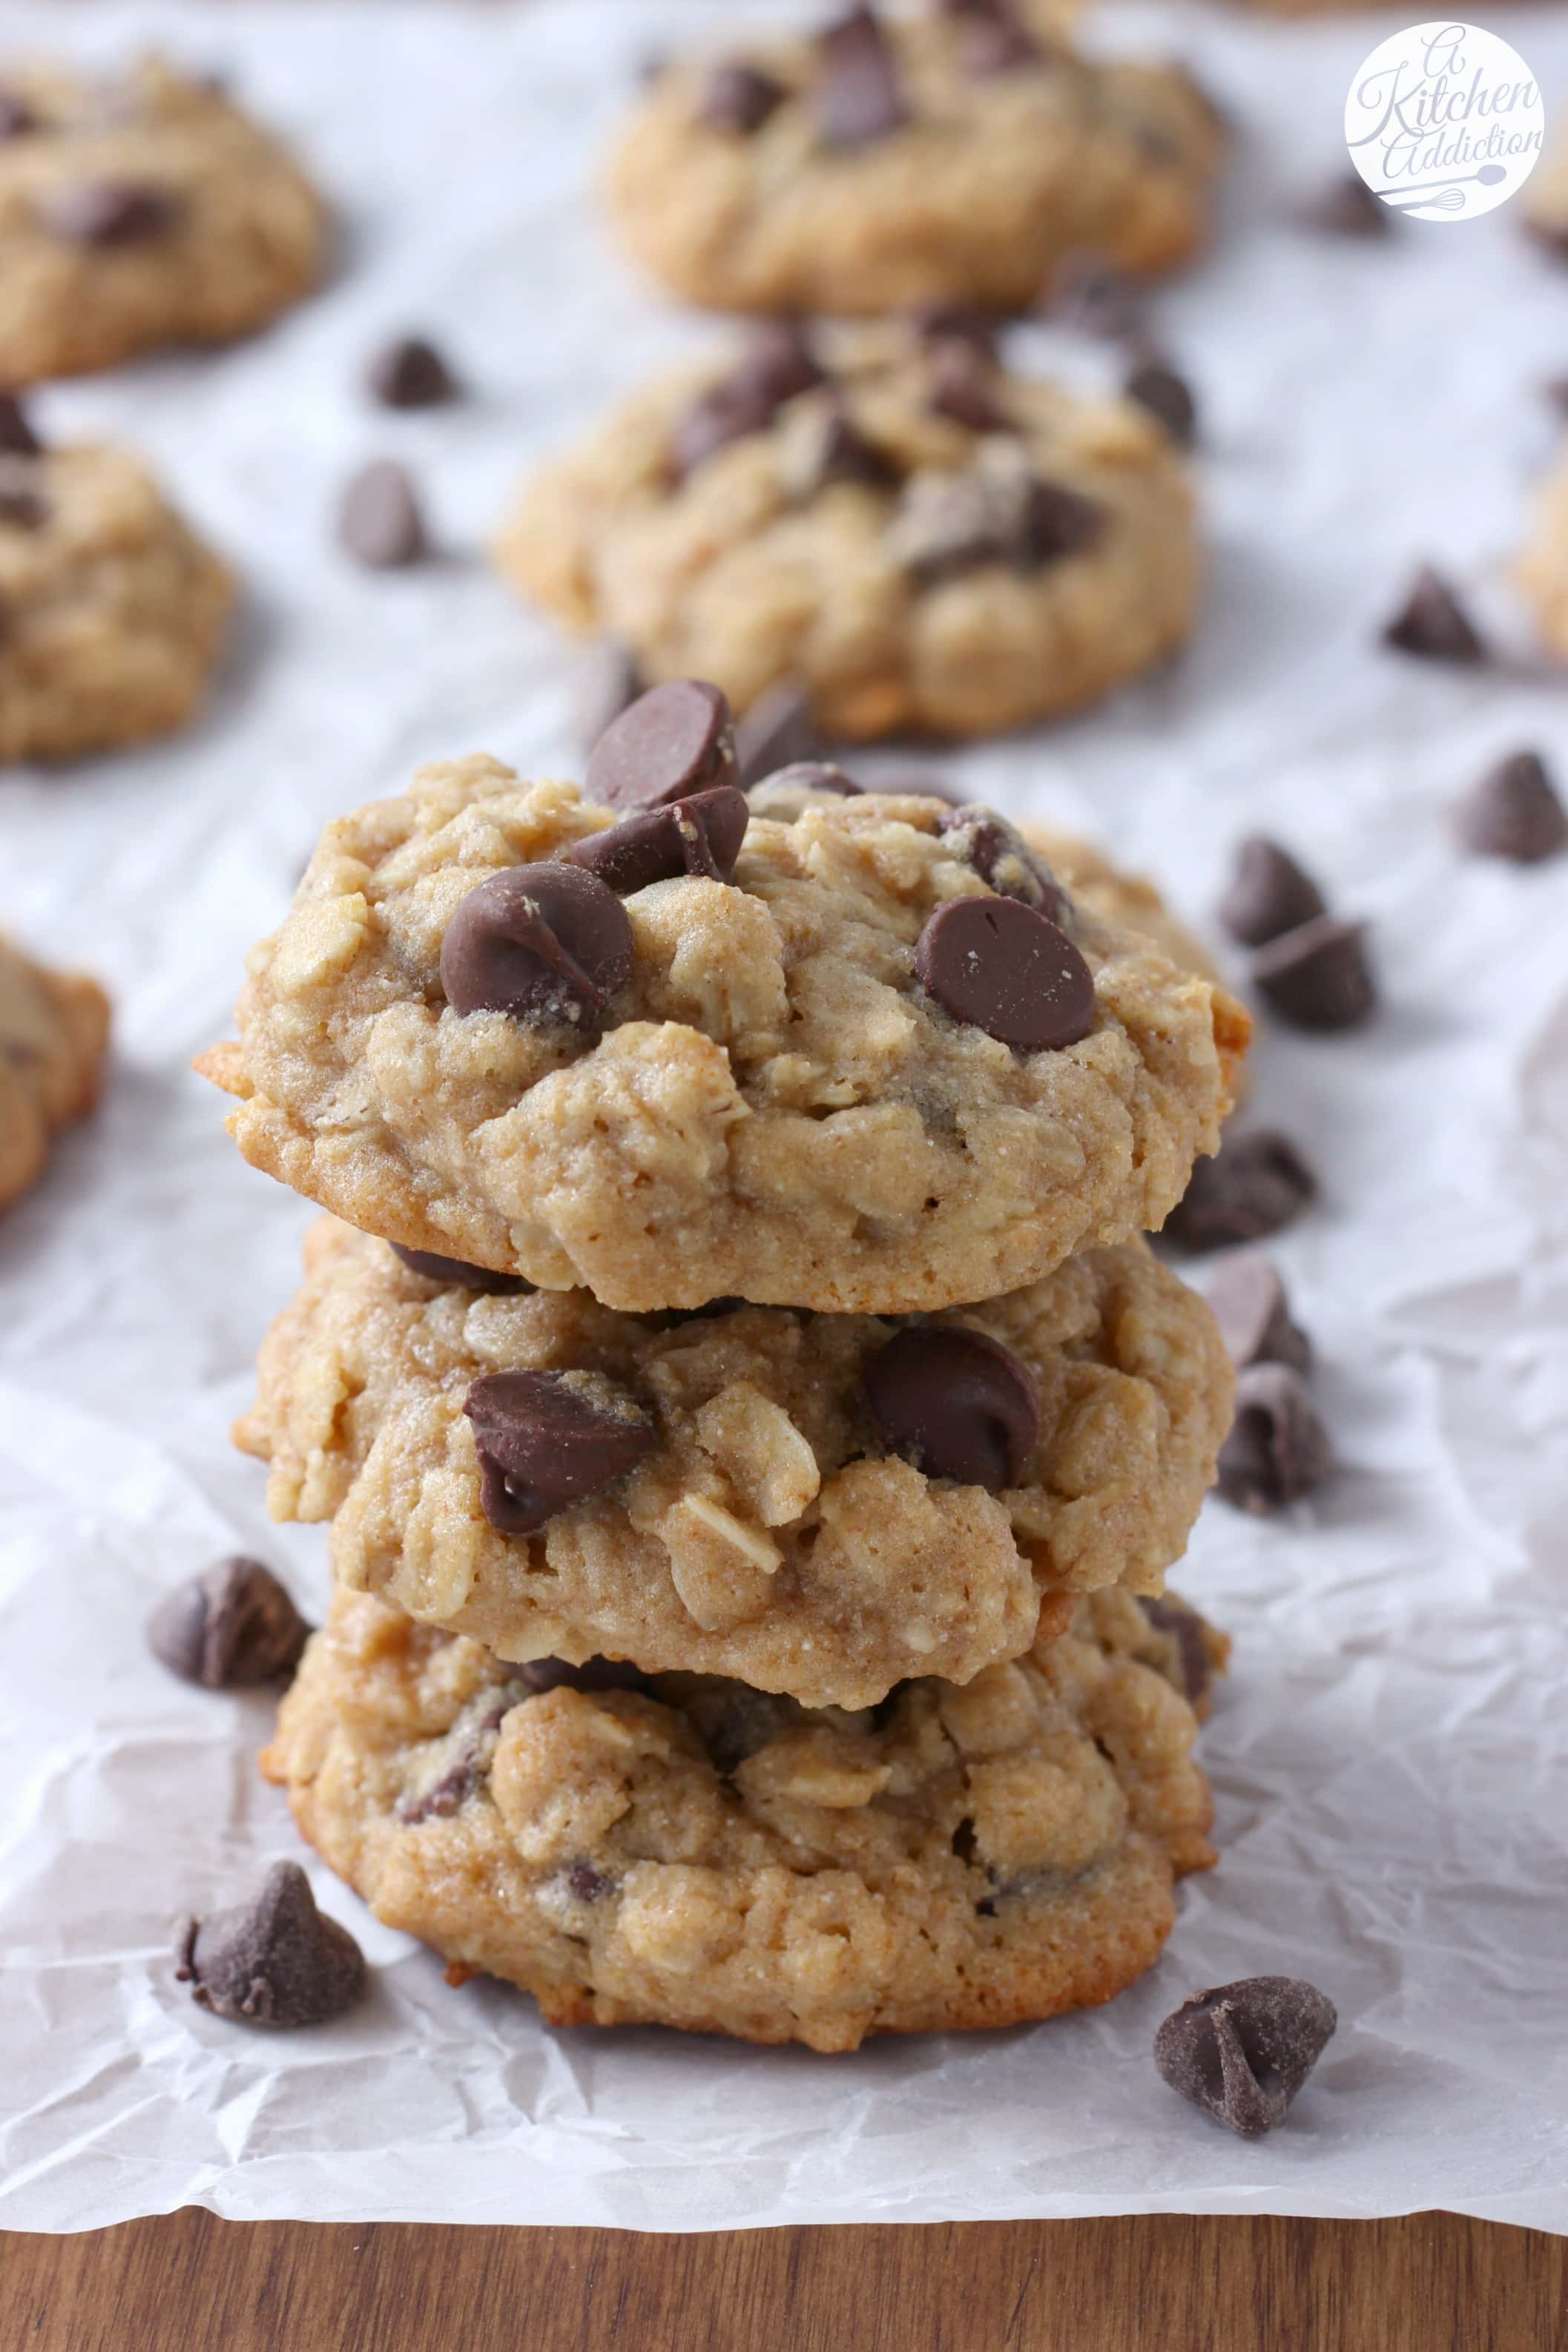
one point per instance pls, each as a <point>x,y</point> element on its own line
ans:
<point>187,2282</point>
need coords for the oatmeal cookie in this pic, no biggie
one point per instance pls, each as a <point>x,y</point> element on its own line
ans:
<point>1542,570</point>
<point>858,1075</point>
<point>953,155</point>
<point>685,1851</point>
<point>921,538</point>
<point>54,1034</point>
<point>818,1504</point>
<point>140,211</point>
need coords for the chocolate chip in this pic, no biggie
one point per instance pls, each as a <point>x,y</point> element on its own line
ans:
<point>806,784</point>
<point>17,438</point>
<point>103,213</point>
<point>857,99</point>
<point>999,854</point>
<point>1278,1449</point>
<point>1269,893</point>
<point>776,365</point>
<point>994,42</point>
<point>962,387</point>
<point>547,1440</point>
<point>1514,812</point>
<point>961,322</point>
<point>776,732</point>
<point>22,505</point>
<point>1001,966</point>
<point>1242,2052</point>
<point>738,98</point>
<point>379,521</point>
<point>1318,976</point>
<point>1057,522</point>
<point>16,117</point>
<point>956,1403</point>
<point>1089,296</point>
<point>412,373</point>
<point>672,742</point>
<point>610,684</point>
<point>593,1674</point>
<point>699,835</point>
<point>1249,1304</point>
<point>541,942</point>
<point>273,1960</point>
<point>233,1625</point>
<point>830,449</point>
<point>1184,1628</point>
<point>585,1884</point>
<point>948,523</point>
<point>733,1722</point>
<point>1347,208</point>
<point>1555,390</point>
<point>1166,395</point>
<point>1256,1184</point>
<point>457,1274</point>
<point>1432,625</point>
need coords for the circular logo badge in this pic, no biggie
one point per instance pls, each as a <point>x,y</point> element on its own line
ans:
<point>1443,121</point>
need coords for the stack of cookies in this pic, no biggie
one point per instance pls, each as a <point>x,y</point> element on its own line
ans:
<point>753,1428</point>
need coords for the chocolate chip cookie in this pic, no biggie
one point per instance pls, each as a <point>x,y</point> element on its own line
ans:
<point>1542,570</point>
<point>957,155</point>
<point>138,212</point>
<point>54,1034</point>
<point>682,1850</point>
<point>920,536</point>
<point>870,1060</point>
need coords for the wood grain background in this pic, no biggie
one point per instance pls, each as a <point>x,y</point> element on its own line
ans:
<point>187,2282</point>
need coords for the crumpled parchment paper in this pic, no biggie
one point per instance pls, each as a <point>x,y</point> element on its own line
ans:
<point>1391,1755</point>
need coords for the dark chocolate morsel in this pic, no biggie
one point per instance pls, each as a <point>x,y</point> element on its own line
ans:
<point>379,520</point>
<point>273,1960</point>
<point>957,323</point>
<point>231,1625</point>
<point>1347,208</point>
<point>999,854</point>
<point>1318,976</point>
<point>962,386</point>
<point>1253,1312</point>
<point>738,98</point>
<point>1184,1626</point>
<point>457,1274</point>
<point>1242,2052</point>
<point>585,1883</point>
<point>412,373</point>
<point>1432,625</point>
<point>834,450</point>
<point>1278,1449</point>
<point>955,1402</point>
<point>671,742</point>
<point>1057,522</point>
<point>547,1440</point>
<point>610,682</point>
<point>1157,387</point>
<point>1250,1188</point>
<point>541,942</point>
<point>1514,812</point>
<point>699,835</point>
<point>1006,967</point>
<point>105,213</point>
<point>857,98</point>
<point>776,365</point>
<point>1268,893</point>
<point>776,732</point>
<point>17,438</point>
<point>593,1674</point>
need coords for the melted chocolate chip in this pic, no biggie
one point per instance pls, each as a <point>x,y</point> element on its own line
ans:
<point>1253,1312</point>
<point>857,99</point>
<point>1514,812</point>
<point>232,1625</point>
<point>1184,1627</point>
<point>699,835</point>
<point>1278,1449</point>
<point>457,1274</point>
<point>1057,522</point>
<point>1242,2052</point>
<point>106,213</point>
<point>776,732</point>
<point>999,854</point>
<point>379,520</point>
<point>547,1440</point>
<point>17,438</point>
<point>775,366</point>
<point>1268,893</point>
<point>1432,625</point>
<point>671,742</point>
<point>740,99</point>
<point>1251,1188</point>
<point>1318,976</point>
<point>274,1961</point>
<point>540,942</point>
<point>1157,387</point>
<point>956,1403</point>
<point>412,373</point>
<point>831,449</point>
<point>1001,966</point>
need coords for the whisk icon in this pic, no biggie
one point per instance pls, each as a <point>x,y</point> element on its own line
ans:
<point>1441,195</point>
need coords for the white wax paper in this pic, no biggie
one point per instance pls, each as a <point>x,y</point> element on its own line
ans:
<point>1389,1754</point>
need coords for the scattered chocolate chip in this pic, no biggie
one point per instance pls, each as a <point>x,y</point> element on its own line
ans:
<point>829,447</point>
<point>948,523</point>
<point>1253,1312</point>
<point>593,1674</point>
<point>412,373</point>
<point>103,213</point>
<point>16,117</point>
<point>999,854</point>
<point>1243,2051</point>
<point>458,1273</point>
<point>1268,893</point>
<point>857,99</point>
<point>1004,967</point>
<point>673,742</point>
<point>610,684</point>
<point>1089,296</point>
<point>17,438</point>
<point>1432,625</point>
<point>962,387</point>
<point>1184,1627</point>
<point>1250,1188</point>
<point>1166,395</point>
<point>733,1722</point>
<point>1278,1449</point>
<point>540,942</point>
<point>699,835</point>
<point>231,1625</point>
<point>379,521</point>
<point>585,1884</point>
<point>789,791</point>
<point>776,732</point>
<point>1318,976</point>
<point>1347,208</point>
<point>961,322</point>
<point>738,98</point>
<point>273,1960</point>
<point>21,503</point>
<point>1057,522</point>
<point>956,1403</point>
<point>547,1440</point>
<point>775,366</point>
<point>1514,812</point>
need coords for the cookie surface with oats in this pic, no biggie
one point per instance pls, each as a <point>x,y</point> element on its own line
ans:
<point>54,1032</point>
